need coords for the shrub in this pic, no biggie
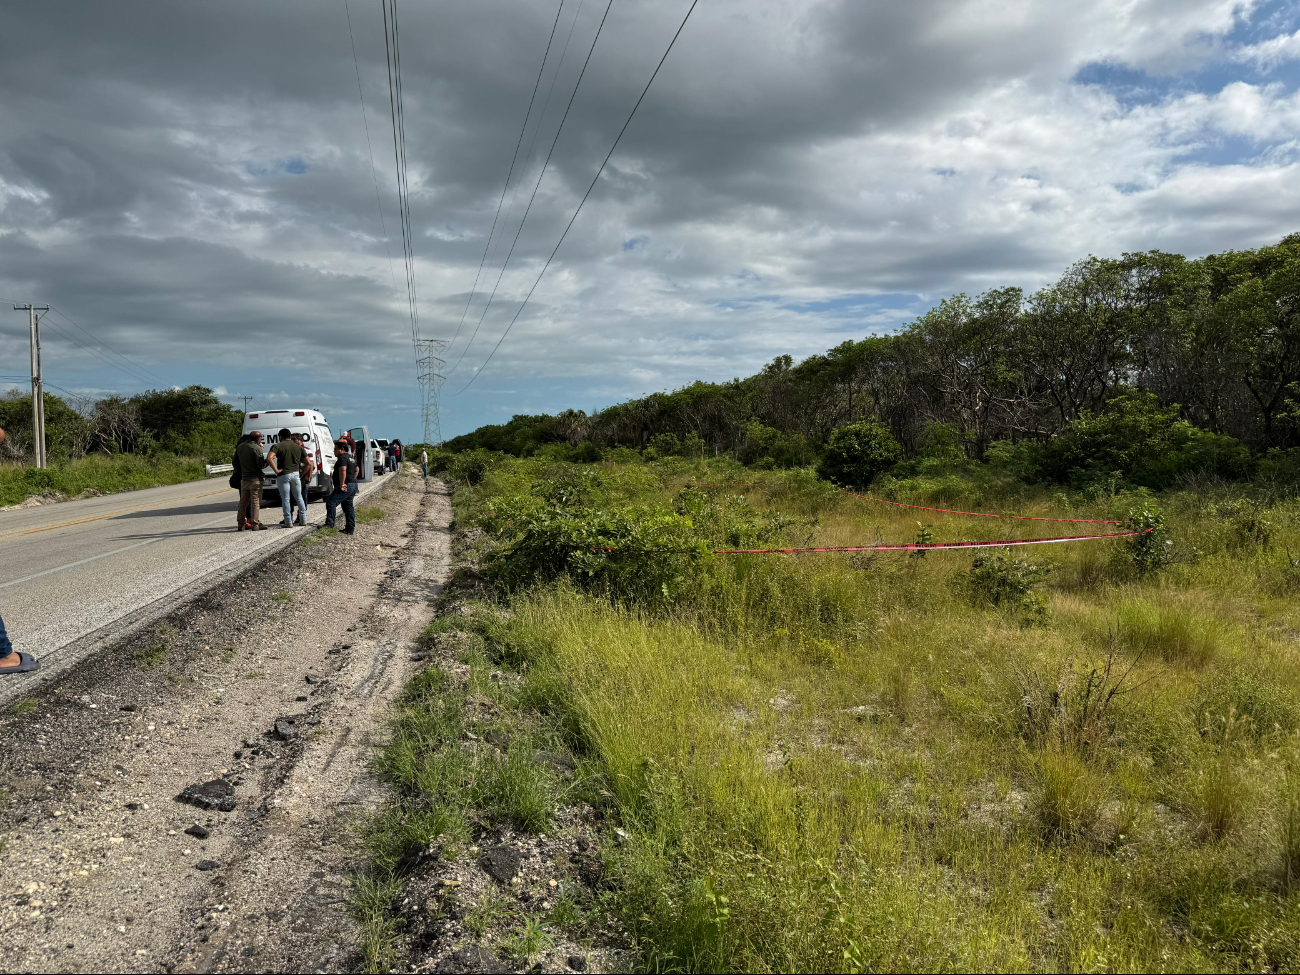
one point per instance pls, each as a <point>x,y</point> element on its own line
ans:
<point>636,553</point>
<point>767,448</point>
<point>1008,583</point>
<point>472,465</point>
<point>859,453</point>
<point>1136,439</point>
<point>1152,549</point>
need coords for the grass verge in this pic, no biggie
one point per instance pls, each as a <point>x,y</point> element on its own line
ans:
<point>97,474</point>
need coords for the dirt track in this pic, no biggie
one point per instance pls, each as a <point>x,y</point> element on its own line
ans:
<point>98,873</point>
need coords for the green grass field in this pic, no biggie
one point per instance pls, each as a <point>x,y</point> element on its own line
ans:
<point>98,473</point>
<point>1053,760</point>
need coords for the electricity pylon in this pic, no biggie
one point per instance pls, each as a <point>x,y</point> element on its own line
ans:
<point>429,366</point>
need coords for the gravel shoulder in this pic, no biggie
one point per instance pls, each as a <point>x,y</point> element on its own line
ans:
<point>98,872</point>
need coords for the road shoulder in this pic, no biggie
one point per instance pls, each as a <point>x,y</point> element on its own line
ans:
<point>277,684</point>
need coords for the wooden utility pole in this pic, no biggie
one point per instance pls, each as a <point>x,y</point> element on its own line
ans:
<point>38,386</point>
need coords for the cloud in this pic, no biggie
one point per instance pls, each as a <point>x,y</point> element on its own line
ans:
<point>196,185</point>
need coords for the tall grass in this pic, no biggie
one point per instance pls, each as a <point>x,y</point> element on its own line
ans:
<point>105,475</point>
<point>847,764</point>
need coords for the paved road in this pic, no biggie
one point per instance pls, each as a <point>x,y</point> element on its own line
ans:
<point>75,575</point>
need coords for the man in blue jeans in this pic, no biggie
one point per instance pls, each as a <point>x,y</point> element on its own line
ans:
<point>345,488</point>
<point>11,661</point>
<point>286,459</point>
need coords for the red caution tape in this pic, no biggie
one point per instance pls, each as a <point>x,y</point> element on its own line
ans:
<point>918,546</point>
<point>921,546</point>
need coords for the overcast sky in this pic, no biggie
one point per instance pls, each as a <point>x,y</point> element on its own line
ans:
<point>191,184</point>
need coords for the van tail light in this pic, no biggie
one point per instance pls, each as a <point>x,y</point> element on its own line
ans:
<point>252,416</point>
<point>320,461</point>
<point>300,413</point>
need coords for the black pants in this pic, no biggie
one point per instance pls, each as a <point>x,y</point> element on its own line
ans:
<point>343,498</point>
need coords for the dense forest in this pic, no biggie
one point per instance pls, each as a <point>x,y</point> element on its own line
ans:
<point>1150,355</point>
<point>189,422</point>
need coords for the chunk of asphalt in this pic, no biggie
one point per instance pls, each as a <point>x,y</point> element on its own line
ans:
<point>217,794</point>
<point>286,728</point>
<point>206,865</point>
<point>202,832</point>
<point>501,863</point>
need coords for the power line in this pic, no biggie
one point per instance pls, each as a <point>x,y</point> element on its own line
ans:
<point>528,162</point>
<point>392,52</point>
<point>513,159</point>
<point>374,175</point>
<point>108,348</point>
<point>529,208</point>
<point>137,374</point>
<point>595,178</point>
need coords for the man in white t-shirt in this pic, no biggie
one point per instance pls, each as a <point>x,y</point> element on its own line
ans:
<point>424,463</point>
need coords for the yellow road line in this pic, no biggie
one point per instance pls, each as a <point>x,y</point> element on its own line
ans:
<point>111,514</point>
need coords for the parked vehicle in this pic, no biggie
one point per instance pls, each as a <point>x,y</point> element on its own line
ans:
<point>380,447</point>
<point>385,448</point>
<point>316,440</point>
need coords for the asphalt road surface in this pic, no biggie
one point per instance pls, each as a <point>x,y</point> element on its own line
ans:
<point>76,576</point>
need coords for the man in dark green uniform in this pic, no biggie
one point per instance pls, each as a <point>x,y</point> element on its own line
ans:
<point>285,458</point>
<point>251,461</point>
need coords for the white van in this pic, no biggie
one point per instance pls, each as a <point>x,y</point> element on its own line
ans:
<point>316,440</point>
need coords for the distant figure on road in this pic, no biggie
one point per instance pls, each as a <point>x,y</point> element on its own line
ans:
<point>250,458</point>
<point>397,461</point>
<point>345,489</point>
<point>13,662</point>
<point>424,462</point>
<point>286,459</point>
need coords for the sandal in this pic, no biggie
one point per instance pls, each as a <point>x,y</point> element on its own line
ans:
<point>26,665</point>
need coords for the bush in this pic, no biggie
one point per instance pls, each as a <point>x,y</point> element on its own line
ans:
<point>633,554</point>
<point>767,448</point>
<point>1152,549</point>
<point>1008,583</point>
<point>472,465</point>
<point>859,453</point>
<point>1137,440</point>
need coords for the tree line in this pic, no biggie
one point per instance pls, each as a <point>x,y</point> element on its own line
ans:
<point>1212,344</point>
<point>189,422</point>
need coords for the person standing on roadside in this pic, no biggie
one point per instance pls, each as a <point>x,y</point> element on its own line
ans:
<point>286,459</point>
<point>424,462</point>
<point>11,661</point>
<point>398,459</point>
<point>251,461</point>
<point>345,489</point>
<point>305,472</point>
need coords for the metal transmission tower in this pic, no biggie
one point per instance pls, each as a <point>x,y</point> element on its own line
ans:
<point>429,368</point>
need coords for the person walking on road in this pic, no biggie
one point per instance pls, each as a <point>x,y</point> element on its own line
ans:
<point>251,461</point>
<point>11,661</point>
<point>424,462</point>
<point>286,459</point>
<point>345,489</point>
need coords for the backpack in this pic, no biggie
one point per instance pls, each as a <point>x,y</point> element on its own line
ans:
<point>236,476</point>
